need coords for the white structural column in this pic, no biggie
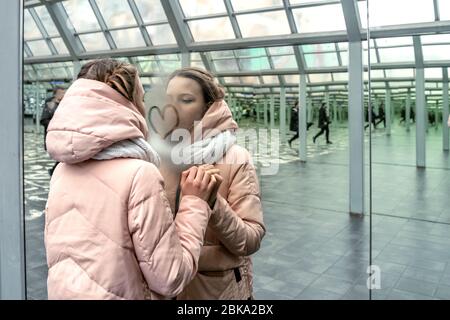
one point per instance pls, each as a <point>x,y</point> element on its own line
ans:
<point>420,119</point>
<point>327,102</point>
<point>266,121</point>
<point>38,111</point>
<point>283,114</point>
<point>230,102</point>
<point>185,59</point>
<point>257,106</point>
<point>310,109</point>
<point>445,112</point>
<point>302,118</point>
<point>334,112</point>
<point>387,111</point>
<point>12,266</point>
<point>76,69</point>
<point>356,127</point>
<point>408,111</point>
<point>272,112</point>
<point>436,114</point>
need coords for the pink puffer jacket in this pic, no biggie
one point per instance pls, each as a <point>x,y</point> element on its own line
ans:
<point>109,230</point>
<point>236,227</point>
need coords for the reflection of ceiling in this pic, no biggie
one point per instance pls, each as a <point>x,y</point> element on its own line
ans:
<point>283,37</point>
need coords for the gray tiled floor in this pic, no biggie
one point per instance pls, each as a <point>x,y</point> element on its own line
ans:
<point>313,249</point>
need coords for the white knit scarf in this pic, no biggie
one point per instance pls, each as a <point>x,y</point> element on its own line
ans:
<point>209,150</point>
<point>136,148</point>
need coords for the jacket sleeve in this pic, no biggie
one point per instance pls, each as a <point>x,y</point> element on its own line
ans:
<point>238,220</point>
<point>45,116</point>
<point>167,250</point>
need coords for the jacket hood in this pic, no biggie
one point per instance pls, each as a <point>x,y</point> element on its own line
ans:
<point>217,119</point>
<point>91,117</point>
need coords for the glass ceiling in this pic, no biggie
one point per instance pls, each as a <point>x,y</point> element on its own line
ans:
<point>132,26</point>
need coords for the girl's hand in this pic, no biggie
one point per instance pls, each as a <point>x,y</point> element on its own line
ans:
<point>198,182</point>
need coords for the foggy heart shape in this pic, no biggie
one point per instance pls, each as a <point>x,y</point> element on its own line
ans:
<point>163,123</point>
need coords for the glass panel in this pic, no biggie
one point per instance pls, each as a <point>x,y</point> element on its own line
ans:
<point>271,79</point>
<point>400,73</point>
<point>211,29</point>
<point>436,52</point>
<point>435,38</point>
<point>323,47</point>
<point>149,66</point>
<point>195,56</point>
<point>60,46</point>
<point>306,1</point>
<point>387,12</point>
<point>116,13</point>
<point>373,57</point>
<point>372,44</point>
<point>60,73</point>
<point>402,54</point>
<point>253,53</point>
<point>254,64</point>
<point>30,28</point>
<point>263,24</point>
<point>379,85</point>
<point>169,62</point>
<point>284,62</point>
<point>343,46</point>
<point>197,64</point>
<point>128,38</point>
<point>146,81</point>
<point>433,73</point>
<point>319,60</point>
<point>222,54</point>
<point>239,5</point>
<point>161,34</point>
<point>340,76</point>
<point>344,57</point>
<point>392,42</point>
<point>39,48</point>
<point>232,80</point>
<point>193,8</point>
<point>375,74</point>
<point>396,84</point>
<point>47,21</point>
<point>250,80</point>
<point>281,50</point>
<point>151,10</point>
<point>94,41</point>
<point>319,18</point>
<point>226,65</point>
<point>45,73</point>
<point>444,9</point>
<point>320,77</point>
<point>81,15</point>
<point>292,79</point>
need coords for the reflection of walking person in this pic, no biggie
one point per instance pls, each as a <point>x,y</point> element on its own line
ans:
<point>294,124</point>
<point>373,120</point>
<point>50,107</point>
<point>381,115</point>
<point>324,122</point>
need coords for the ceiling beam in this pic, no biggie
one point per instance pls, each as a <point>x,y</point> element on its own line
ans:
<point>352,22</point>
<point>297,50</point>
<point>175,16</point>
<point>59,17</point>
<point>418,54</point>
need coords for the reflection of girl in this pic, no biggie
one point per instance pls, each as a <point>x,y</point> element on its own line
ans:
<point>236,228</point>
<point>109,231</point>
